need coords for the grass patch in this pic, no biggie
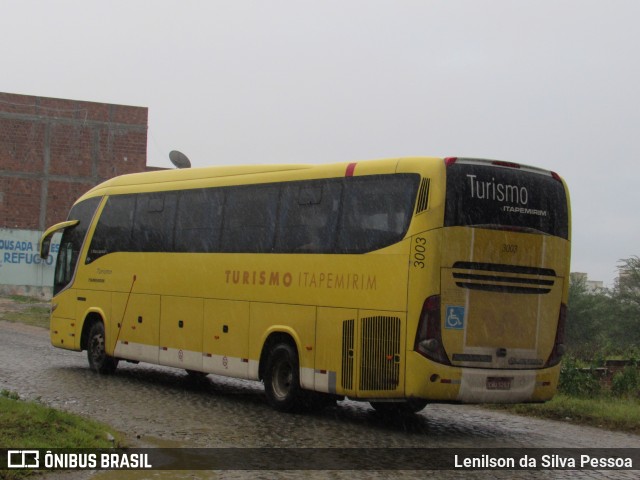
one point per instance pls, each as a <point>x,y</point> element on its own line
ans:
<point>24,299</point>
<point>34,315</point>
<point>622,414</point>
<point>26,424</point>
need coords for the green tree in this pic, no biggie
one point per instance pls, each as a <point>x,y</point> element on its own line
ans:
<point>605,323</point>
<point>628,285</point>
<point>583,330</point>
<point>625,324</point>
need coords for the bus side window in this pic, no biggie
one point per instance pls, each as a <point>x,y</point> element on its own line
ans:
<point>250,219</point>
<point>113,231</point>
<point>198,221</point>
<point>308,217</point>
<point>153,222</point>
<point>376,212</point>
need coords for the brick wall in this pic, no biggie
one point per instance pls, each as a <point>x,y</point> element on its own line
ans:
<point>53,150</point>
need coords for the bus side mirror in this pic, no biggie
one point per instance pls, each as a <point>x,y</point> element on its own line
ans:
<point>45,246</point>
<point>45,240</point>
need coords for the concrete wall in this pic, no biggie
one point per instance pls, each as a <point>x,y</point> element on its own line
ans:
<point>22,271</point>
<point>51,152</point>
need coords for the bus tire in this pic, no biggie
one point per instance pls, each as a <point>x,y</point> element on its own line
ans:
<point>282,378</point>
<point>399,408</point>
<point>99,361</point>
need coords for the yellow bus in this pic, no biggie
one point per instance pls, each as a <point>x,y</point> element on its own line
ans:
<point>398,282</point>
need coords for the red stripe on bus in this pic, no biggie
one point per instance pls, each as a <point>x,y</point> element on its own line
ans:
<point>350,169</point>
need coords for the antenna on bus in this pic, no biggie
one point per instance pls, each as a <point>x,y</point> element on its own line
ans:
<point>179,159</point>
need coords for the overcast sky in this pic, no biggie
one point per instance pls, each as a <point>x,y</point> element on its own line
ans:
<point>551,83</point>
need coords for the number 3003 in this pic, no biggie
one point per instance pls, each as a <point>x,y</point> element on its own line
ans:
<point>419,249</point>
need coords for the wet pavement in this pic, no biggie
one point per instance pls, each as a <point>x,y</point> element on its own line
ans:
<point>157,406</point>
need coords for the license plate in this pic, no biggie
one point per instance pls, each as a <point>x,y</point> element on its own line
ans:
<point>499,383</point>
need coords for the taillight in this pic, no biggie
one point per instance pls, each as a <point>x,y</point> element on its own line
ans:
<point>429,337</point>
<point>555,176</point>
<point>559,347</point>
<point>450,161</point>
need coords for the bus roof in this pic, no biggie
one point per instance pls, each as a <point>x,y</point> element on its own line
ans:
<point>176,179</point>
<point>230,175</point>
<point>168,176</point>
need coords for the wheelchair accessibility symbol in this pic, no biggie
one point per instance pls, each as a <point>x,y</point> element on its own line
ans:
<point>455,318</point>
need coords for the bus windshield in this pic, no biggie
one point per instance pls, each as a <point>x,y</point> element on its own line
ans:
<point>490,196</point>
<point>71,242</point>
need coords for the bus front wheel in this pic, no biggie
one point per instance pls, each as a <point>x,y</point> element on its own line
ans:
<point>282,378</point>
<point>99,361</point>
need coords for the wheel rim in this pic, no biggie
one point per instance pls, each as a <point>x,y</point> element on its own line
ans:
<point>282,379</point>
<point>97,349</point>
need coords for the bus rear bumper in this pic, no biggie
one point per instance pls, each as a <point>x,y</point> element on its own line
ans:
<point>444,383</point>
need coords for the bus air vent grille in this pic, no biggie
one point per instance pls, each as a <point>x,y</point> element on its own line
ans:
<point>380,361</point>
<point>495,277</point>
<point>423,195</point>
<point>347,354</point>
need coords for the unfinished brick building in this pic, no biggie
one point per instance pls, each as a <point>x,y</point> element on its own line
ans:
<point>53,150</point>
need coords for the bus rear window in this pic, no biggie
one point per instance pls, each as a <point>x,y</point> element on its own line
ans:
<point>488,196</point>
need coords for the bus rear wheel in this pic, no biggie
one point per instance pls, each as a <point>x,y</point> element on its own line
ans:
<point>282,378</point>
<point>99,361</point>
